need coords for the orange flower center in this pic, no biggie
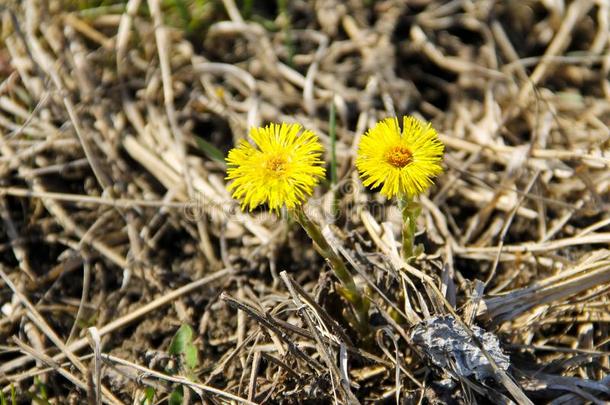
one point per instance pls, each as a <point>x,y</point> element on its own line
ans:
<point>276,165</point>
<point>398,156</point>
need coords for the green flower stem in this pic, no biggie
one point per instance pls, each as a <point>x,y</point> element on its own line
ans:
<point>410,211</point>
<point>349,290</point>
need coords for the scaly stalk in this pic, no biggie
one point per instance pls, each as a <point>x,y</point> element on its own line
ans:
<point>410,211</point>
<point>349,290</point>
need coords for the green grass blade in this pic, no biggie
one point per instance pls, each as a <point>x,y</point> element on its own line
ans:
<point>210,150</point>
<point>332,133</point>
<point>334,178</point>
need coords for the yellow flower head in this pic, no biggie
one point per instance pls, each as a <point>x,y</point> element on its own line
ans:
<point>282,169</point>
<point>403,161</point>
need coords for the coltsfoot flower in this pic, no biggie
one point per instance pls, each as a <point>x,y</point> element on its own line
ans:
<point>404,161</point>
<point>280,169</point>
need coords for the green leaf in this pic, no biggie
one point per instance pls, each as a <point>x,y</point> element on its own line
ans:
<point>176,396</point>
<point>246,9</point>
<point>181,9</point>
<point>149,396</point>
<point>190,356</point>
<point>42,389</point>
<point>210,150</point>
<point>181,339</point>
<point>182,344</point>
<point>2,398</point>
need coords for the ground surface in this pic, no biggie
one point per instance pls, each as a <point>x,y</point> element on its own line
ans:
<point>116,228</point>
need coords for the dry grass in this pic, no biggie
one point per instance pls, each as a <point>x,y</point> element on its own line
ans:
<point>117,228</point>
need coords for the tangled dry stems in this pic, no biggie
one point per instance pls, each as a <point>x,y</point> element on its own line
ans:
<point>110,207</point>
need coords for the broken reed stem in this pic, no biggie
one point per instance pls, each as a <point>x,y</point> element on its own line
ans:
<point>410,210</point>
<point>349,290</point>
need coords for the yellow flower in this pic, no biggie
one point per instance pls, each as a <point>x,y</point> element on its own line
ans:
<point>282,169</point>
<point>403,161</point>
